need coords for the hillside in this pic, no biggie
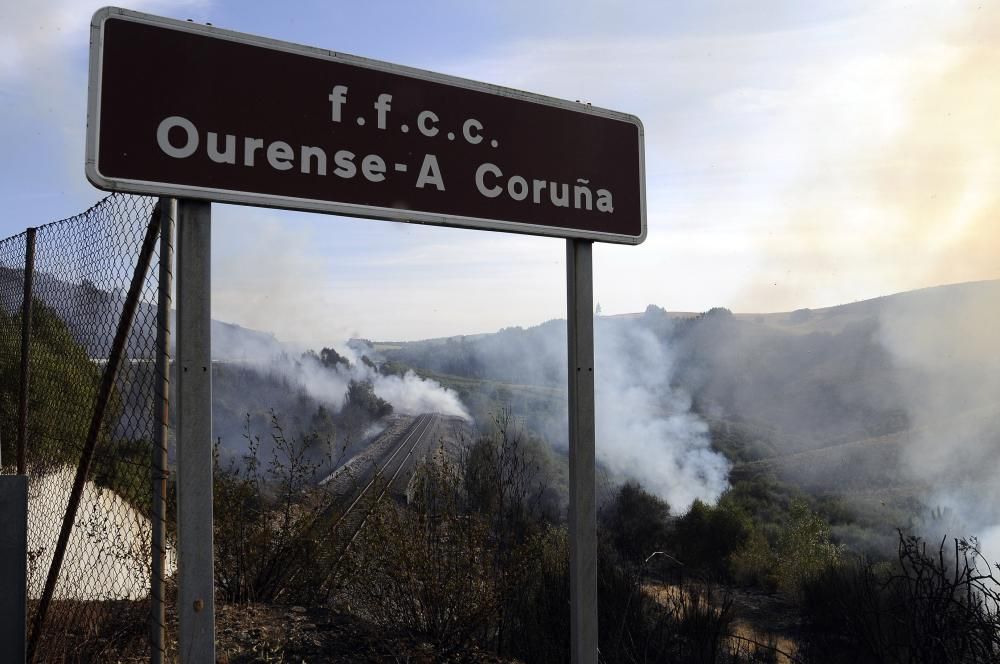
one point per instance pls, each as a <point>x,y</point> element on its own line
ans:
<point>885,396</point>
<point>885,401</point>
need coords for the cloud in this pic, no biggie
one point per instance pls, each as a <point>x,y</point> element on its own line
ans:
<point>788,148</point>
<point>36,35</point>
<point>43,88</point>
<point>807,149</point>
<point>784,169</point>
<point>900,184</point>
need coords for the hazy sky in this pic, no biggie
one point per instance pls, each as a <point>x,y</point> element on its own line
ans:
<point>798,154</point>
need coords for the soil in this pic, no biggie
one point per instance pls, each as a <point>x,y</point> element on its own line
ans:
<point>761,620</point>
<point>254,633</point>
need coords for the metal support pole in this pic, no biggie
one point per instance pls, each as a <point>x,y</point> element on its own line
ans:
<point>196,599</point>
<point>168,212</point>
<point>22,408</point>
<point>13,566</point>
<point>582,483</point>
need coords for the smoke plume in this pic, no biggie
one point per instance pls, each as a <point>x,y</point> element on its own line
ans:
<point>645,427</point>
<point>945,350</point>
<point>409,394</point>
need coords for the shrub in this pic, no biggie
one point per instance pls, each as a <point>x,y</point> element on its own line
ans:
<point>706,536</point>
<point>753,563</point>
<point>361,396</point>
<point>265,539</point>
<point>636,522</point>
<point>61,393</point>
<point>504,477</point>
<point>425,572</point>
<point>538,619</point>
<point>804,547</point>
<point>938,606</point>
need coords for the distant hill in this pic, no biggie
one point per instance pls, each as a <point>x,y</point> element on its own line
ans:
<point>832,399</point>
<point>91,315</point>
<point>837,318</point>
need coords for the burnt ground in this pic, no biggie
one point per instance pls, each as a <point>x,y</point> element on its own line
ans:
<point>770,618</point>
<point>248,634</point>
<point>761,620</point>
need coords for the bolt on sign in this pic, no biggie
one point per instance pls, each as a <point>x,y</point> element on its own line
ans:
<point>191,111</point>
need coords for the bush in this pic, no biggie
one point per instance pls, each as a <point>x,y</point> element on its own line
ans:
<point>804,548</point>
<point>538,619</point>
<point>361,396</point>
<point>61,392</point>
<point>753,564</point>
<point>472,560</point>
<point>265,539</point>
<point>939,606</point>
<point>706,536</point>
<point>505,477</point>
<point>425,572</point>
<point>636,521</point>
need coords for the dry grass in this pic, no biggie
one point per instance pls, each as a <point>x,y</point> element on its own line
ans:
<point>752,634</point>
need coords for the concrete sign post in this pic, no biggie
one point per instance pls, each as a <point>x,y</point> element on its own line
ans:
<point>582,480</point>
<point>203,114</point>
<point>196,581</point>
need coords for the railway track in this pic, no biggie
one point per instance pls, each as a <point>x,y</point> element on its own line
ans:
<point>400,458</point>
<point>377,481</point>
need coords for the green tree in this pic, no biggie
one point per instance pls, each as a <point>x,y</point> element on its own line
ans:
<point>62,388</point>
<point>707,535</point>
<point>637,522</point>
<point>804,547</point>
<point>361,395</point>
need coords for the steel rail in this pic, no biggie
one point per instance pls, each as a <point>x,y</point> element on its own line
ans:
<point>385,489</point>
<point>407,435</point>
<point>422,419</point>
<point>420,429</point>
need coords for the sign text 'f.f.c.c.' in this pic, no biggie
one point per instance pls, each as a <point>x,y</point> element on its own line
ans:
<point>180,109</point>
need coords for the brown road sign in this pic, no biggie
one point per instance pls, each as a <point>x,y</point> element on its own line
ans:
<point>186,110</point>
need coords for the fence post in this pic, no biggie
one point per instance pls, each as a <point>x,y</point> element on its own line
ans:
<point>13,565</point>
<point>196,578</point>
<point>168,211</point>
<point>26,307</point>
<point>96,423</point>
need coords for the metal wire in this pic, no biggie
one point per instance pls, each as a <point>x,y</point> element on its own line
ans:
<point>83,269</point>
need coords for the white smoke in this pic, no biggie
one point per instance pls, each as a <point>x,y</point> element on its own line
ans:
<point>645,427</point>
<point>409,394</point>
<point>945,347</point>
<point>412,395</point>
<point>321,383</point>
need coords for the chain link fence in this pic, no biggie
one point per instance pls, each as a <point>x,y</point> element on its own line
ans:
<point>12,257</point>
<point>91,424</point>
